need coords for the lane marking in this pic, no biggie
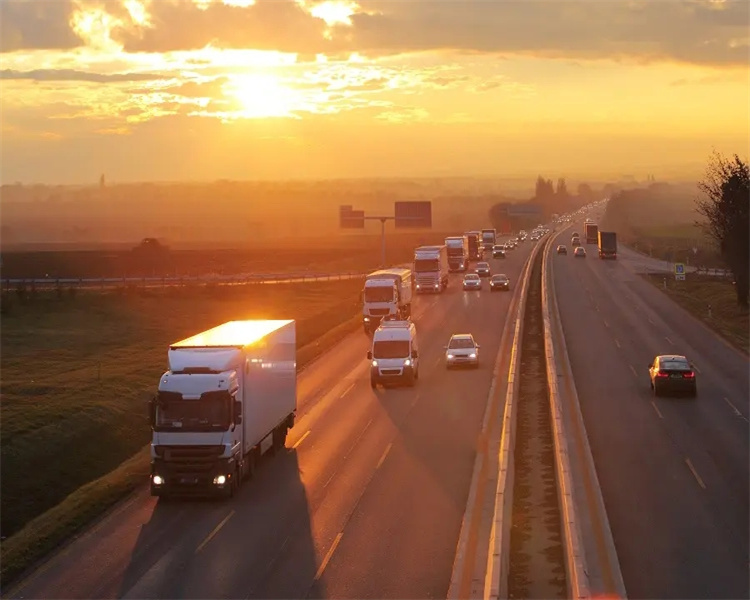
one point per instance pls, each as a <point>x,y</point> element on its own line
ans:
<point>382,458</point>
<point>302,439</point>
<point>668,340</point>
<point>695,473</point>
<point>650,321</point>
<point>736,410</point>
<point>632,369</point>
<point>216,530</point>
<point>696,368</point>
<point>438,361</point>
<point>617,343</point>
<point>328,556</point>
<point>656,408</point>
<point>606,324</point>
<point>347,390</point>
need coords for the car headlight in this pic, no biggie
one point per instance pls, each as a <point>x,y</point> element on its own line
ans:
<point>220,479</point>
<point>374,363</point>
<point>473,355</point>
<point>450,356</point>
<point>407,362</point>
<point>158,480</point>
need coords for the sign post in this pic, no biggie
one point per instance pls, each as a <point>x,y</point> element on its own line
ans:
<point>679,271</point>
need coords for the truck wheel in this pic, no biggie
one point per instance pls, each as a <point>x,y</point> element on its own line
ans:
<point>279,438</point>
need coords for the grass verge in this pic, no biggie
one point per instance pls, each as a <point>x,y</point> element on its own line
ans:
<point>86,434</point>
<point>697,292</point>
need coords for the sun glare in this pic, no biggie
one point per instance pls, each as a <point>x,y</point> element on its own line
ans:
<point>334,12</point>
<point>262,96</point>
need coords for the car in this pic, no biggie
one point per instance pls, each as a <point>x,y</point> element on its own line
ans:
<point>576,243</point>
<point>562,249</point>
<point>500,282</point>
<point>483,269</point>
<point>472,282</point>
<point>462,349</point>
<point>576,235</point>
<point>498,251</point>
<point>672,373</point>
<point>580,251</point>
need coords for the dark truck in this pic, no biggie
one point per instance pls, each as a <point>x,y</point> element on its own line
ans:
<point>608,244</point>
<point>474,244</point>
<point>591,233</point>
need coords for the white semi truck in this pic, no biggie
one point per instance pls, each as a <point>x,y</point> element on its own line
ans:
<point>489,239</point>
<point>230,395</point>
<point>387,293</point>
<point>431,268</point>
<point>458,252</point>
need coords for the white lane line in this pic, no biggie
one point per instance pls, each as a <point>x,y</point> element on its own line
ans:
<point>617,343</point>
<point>216,530</point>
<point>656,408</point>
<point>735,410</point>
<point>696,368</point>
<point>668,340</point>
<point>695,473</point>
<point>606,324</point>
<point>302,439</point>
<point>650,321</point>
<point>382,458</point>
<point>347,390</point>
<point>632,369</point>
<point>328,556</point>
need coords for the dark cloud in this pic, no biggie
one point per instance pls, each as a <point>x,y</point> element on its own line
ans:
<point>36,24</point>
<point>693,31</point>
<point>73,75</point>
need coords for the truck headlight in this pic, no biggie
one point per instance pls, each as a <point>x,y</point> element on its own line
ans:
<point>157,479</point>
<point>220,480</point>
<point>374,363</point>
<point>472,355</point>
<point>407,362</point>
<point>367,319</point>
<point>436,286</point>
<point>450,356</point>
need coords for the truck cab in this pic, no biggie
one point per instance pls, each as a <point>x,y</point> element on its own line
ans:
<point>394,354</point>
<point>386,293</point>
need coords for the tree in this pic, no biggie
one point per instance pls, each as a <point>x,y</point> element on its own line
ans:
<point>726,207</point>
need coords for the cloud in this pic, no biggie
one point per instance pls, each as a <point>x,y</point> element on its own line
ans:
<point>711,80</point>
<point>73,75</point>
<point>706,32</point>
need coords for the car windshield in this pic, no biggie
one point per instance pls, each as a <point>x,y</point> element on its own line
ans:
<point>482,265</point>
<point>471,277</point>
<point>674,364</point>
<point>458,343</point>
<point>499,278</point>
<point>390,349</point>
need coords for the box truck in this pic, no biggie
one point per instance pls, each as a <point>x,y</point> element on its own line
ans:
<point>475,244</point>
<point>458,252</point>
<point>591,233</point>
<point>386,293</point>
<point>608,244</point>
<point>489,239</point>
<point>230,395</point>
<point>431,268</point>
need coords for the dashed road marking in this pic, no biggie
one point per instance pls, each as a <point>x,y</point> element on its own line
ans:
<point>632,370</point>
<point>216,530</point>
<point>735,410</point>
<point>302,439</point>
<point>347,390</point>
<point>668,340</point>
<point>328,556</point>
<point>695,473</point>
<point>617,343</point>
<point>656,408</point>
<point>606,324</point>
<point>385,453</point>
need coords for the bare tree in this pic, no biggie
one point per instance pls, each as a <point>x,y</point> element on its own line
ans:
<point>726,206</point>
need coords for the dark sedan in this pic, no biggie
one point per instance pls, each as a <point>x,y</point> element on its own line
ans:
<point>483,269</point>
<point>500,282</point>
<point>672,373</point>
<point>498,252</point>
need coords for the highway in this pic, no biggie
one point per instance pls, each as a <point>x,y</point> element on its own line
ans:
<point>673,471</point>
<point>366,502</point>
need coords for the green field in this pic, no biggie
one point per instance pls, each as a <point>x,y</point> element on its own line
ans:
<point>697,292</point>
<point>77,373</point>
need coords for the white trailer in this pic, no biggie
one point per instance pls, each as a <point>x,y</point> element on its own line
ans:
<point>386,293</point>
<point>230,395</point>
<point>431,268</point>
<point>458,252</point>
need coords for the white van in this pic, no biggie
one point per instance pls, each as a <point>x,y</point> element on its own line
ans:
<point>394,353</point>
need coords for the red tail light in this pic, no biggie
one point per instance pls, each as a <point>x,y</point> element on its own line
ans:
<point>689,375</point>
<point>662,374</point>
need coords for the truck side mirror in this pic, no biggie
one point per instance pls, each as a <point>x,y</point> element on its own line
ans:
<point>369,355</point>
<point>152,411</point>
<point>237,412</point>
<point>414,354</point>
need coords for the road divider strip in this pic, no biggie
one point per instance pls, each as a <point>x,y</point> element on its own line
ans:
<point>593,569</point>
<point>469,540</point>
<point>498,555</point>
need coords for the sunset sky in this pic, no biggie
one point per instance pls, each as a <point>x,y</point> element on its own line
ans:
<point>207,89</point>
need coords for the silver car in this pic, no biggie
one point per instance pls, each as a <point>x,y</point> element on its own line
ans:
<point>472,282</point>
<point>462,350</point>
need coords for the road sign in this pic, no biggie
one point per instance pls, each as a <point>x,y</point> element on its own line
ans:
<point>679,269</point>
<point>412,215</point>
<point>680,277</point>
<point>351,219</point>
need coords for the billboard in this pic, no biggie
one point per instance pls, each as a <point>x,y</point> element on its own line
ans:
<point>412,215</point>
<point>351,219</point>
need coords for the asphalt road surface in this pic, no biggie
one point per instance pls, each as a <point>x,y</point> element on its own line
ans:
<point>673,471</point>
<point>367,501</point>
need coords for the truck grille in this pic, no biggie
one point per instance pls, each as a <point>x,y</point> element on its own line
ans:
<point>379,312</point>
<point>195,460</point>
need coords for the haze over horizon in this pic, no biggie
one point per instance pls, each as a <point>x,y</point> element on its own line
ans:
<point>200,90</point>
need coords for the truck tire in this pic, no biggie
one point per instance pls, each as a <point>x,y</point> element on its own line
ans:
<point>279,438</point>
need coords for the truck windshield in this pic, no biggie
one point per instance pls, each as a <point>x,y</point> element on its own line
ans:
<point>212,412</point>
<point>378,294</point>
<point>426,264</point>
<point>453,251</point>
<point>391,349</point>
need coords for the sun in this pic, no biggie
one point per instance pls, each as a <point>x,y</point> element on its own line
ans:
<point>262,96</point>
